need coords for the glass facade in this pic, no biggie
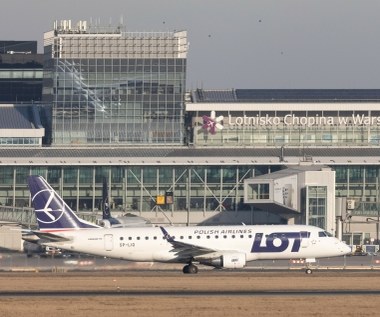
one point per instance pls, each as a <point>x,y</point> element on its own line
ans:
<point>20,72</point>
<point>20,141</point>
<point>134,188</point>
<point>194,188</point>
<point>115,87</point>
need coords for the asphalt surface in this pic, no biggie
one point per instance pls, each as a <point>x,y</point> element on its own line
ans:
<point>197,293</point>
<point>15,261</point>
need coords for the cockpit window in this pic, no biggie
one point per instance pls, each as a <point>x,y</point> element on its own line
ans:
<point>324,234</point>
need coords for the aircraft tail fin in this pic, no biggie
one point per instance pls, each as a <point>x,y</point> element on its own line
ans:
<point>106,206</point>
<point>52,212</point>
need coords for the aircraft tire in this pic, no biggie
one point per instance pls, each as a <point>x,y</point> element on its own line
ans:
<point>308,271</point>
<point>193,269</point>
<point>190,269</point>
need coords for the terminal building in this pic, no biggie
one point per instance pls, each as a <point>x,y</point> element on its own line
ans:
<point>114,104</point>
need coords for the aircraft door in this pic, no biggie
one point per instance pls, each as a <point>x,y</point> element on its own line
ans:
<point>108,242</point>
<point>305,239</point>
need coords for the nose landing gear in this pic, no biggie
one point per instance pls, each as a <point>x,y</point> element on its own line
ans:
<point>308,271</point>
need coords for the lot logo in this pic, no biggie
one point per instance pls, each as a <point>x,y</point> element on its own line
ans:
<point>51,211</point>
<point>212,123</point>
<point>278,241</point>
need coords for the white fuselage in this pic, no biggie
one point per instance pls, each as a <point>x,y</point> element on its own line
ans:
<point>148,244</point>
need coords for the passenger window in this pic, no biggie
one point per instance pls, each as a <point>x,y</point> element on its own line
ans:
<point>208,237</point>
<point>242,236</point>
<point>190,237</point>
<point>129,238</point>
<point>121,238</point>
<point>216,237</point>
<point>181,237</point>
<point>233,236</point>
<point>225,237</point>
<point>146,238</point>
<point>154,238</point>
<point>138,238</point>
<point>198,237</point>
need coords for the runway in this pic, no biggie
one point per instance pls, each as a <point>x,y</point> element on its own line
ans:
<point>187,294</point>
<point>19,262</point>
<point>172,293</point>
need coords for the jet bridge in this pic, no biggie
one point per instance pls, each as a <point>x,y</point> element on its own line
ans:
<point>303,194</point>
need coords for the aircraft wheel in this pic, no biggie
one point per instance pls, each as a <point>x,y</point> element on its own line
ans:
<point>193,269</point>
<point>190,269</point>
<point>308,271</point>
<point>185,269</point>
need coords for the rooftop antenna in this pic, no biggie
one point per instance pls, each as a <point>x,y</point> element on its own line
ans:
<point>121,22</point>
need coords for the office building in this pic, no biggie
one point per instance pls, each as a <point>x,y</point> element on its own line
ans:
<point>110,87</point>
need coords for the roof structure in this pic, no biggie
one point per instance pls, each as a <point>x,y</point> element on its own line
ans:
<point>285,95</point>
<point>16,117</point>
<point>189,156</point>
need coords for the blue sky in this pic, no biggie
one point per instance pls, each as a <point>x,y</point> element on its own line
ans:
<point>236,44</point>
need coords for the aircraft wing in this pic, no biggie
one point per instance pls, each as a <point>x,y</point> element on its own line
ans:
<point>186,251</point>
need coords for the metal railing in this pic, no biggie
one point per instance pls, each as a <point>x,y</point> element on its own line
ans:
<point>24,216</point>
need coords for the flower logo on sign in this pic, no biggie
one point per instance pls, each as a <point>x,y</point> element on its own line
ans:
<point>212,123</point>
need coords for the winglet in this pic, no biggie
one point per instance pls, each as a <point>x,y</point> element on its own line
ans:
<point>167,236</point>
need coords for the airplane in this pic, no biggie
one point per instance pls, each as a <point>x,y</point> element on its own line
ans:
<point>127,220</point>
<point>229,247</point>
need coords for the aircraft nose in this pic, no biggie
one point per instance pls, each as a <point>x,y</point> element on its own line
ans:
<point>345,248</point>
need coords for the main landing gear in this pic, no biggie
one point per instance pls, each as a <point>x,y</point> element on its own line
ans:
<point>190,269</point>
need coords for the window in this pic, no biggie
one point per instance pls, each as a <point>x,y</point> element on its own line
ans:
<point>259,191</point>
<point>317,206</point>
<point>324,234</point>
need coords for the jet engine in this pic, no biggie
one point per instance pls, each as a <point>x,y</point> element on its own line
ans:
<point>226,260</point>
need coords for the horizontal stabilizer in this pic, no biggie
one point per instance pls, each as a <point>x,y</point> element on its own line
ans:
<point>47,237</point>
